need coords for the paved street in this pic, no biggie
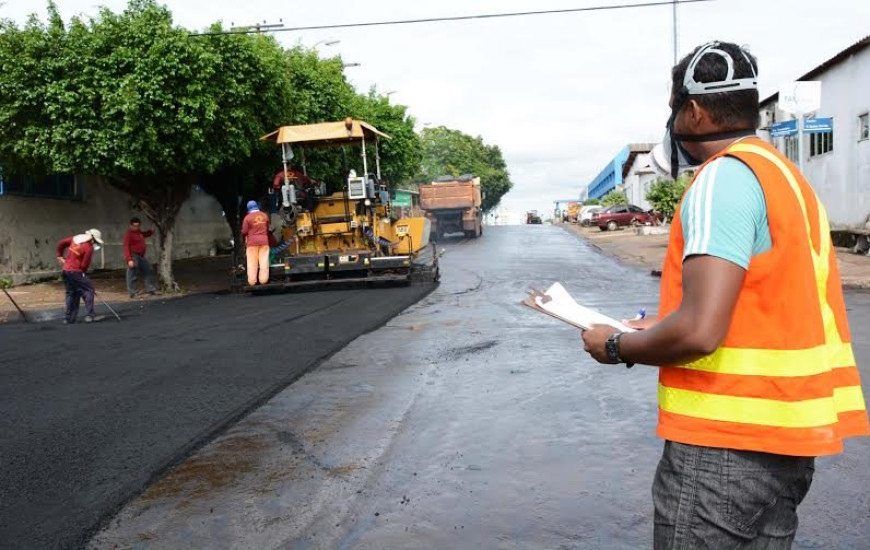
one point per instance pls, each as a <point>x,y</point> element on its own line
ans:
<point>90,413</point>
<point>468,421</point>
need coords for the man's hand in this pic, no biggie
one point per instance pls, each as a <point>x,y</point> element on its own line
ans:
<point>130,264</point>
<point>60,260</point>
<point>594,340</point>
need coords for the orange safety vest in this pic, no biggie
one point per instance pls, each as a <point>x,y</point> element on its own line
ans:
<point>784,380</point>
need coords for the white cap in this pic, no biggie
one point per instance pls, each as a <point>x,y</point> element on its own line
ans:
<point>96,234</point>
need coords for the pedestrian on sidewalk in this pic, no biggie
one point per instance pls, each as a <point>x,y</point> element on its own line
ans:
<point>757,375</point>
<point>134,253</point>
<point>255,231</point>
<point>79,252</point>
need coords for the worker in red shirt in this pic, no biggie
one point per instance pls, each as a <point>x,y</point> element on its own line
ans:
<point>134,253</point>
<point>75,267</point>
<point>255,231</point>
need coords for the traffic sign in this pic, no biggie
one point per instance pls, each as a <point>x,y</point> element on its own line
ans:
<point>800,97</point>
<point>784,129</point>
<point>818,125</point>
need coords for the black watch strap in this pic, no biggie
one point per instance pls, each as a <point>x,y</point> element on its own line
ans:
<point>615,353</point>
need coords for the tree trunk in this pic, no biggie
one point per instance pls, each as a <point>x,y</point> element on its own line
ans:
<point>164,267</point>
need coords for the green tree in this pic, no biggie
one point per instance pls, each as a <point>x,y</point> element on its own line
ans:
<point>614,197</point>
<point>400,155</point>
<point>133,98</point>
<point>591,202</point>
<point>453,153</point>
<point>666,194</point>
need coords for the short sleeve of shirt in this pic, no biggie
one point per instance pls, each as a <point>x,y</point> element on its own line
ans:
<point>724,214</point>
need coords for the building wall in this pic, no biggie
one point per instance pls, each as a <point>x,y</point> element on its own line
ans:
<point>610,177</point>
<point>841,177</point>
<point>638,180</point>
<point>32,227</point>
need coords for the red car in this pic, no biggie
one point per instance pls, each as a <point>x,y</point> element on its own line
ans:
<point>620,215</point>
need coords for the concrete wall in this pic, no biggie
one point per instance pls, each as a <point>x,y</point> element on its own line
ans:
<point>31,228</point>
<point>841,177</point>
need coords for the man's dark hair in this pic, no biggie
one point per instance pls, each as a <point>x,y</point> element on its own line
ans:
<point>134,219</point>
<point>730,110</point>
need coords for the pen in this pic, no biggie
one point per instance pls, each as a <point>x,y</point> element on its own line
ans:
<point>640,314</point>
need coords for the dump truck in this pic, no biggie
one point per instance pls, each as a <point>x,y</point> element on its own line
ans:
<point>341,231</point>
<point>452,205</point>
<point>571,213</point>
<point>533,218</point>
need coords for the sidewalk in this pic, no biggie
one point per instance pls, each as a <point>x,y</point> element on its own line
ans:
<point>647,252</point>
<point>45,301</point>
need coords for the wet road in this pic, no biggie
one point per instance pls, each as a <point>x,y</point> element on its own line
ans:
<point>90,413</point>
<point>466,422</point>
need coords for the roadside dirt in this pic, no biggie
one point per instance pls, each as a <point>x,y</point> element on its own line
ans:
<point>194,276</point>
<point>648,253</point>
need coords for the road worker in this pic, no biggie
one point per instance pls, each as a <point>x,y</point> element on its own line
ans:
<point>757,375</point>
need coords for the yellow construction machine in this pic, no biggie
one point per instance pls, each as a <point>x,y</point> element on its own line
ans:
<point>342,232</point>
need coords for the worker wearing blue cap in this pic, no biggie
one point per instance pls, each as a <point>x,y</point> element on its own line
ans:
<point>255,231</point>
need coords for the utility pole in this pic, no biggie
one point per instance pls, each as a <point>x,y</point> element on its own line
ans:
<point>676,38</point>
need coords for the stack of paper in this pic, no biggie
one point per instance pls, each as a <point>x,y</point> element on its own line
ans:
<point>557,303</point>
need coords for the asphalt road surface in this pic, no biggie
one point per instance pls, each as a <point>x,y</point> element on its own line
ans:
<point>89,414</point>
<point>468,421</point>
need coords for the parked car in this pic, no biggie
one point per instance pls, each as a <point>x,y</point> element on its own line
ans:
<point>621,215</point>
<point>585,216</point>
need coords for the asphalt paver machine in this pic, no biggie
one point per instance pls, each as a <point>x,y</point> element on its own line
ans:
<point>349,235</point>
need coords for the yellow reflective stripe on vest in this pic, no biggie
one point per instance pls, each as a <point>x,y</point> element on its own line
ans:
<point>809,413</point>
<point>775,362</point>
<point>849,399</point>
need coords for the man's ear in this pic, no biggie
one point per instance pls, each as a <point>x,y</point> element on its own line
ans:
<point>696,113</point>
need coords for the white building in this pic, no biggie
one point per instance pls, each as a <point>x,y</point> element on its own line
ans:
<point>837,163</point>
<point>638,175</point>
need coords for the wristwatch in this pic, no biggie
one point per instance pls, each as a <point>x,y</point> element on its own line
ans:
<point>611,346</point>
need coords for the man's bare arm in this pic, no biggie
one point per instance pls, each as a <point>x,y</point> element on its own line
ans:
<point>711,286</point>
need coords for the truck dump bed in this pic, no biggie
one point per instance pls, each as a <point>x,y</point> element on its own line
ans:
<point>450,195</point>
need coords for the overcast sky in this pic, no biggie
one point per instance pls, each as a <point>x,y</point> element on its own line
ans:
<point>560,94</point>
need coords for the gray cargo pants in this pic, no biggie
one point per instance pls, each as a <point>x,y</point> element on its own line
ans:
<point>143,265</point>
<point>711,498</point>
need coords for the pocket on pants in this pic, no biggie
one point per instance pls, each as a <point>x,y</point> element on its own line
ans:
<point>755,483</point>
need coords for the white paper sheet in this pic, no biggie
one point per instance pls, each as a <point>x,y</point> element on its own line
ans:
<point>563,306</point>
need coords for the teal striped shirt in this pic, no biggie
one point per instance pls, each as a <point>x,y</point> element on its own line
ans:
<point>724,214</point>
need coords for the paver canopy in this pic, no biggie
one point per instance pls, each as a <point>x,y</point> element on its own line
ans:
<point>325,134</point>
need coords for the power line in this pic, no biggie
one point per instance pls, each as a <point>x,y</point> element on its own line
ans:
<point>463,17</point>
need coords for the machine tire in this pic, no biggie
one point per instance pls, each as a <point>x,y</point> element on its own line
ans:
<point>612,226</point>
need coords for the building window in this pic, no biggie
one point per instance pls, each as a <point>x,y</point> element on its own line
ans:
<point>791,148</point>
<point>821,143</point>
<point>863,127</point>
<point>55,186</point>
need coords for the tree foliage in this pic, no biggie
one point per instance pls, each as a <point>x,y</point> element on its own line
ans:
<point>134,98</point>
<point>591,202</point>
<point>666,194</point>
<point>453,153</point>
<point>614,197</point>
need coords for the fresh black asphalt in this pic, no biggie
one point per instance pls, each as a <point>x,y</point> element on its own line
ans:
<point>90,414</point>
